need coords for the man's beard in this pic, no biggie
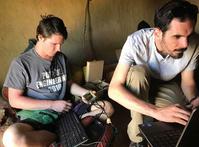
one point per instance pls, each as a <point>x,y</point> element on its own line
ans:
<point>179,55</point>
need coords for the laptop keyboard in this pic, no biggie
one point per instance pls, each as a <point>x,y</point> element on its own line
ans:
<point>70,131</point>
<point>166,139</point>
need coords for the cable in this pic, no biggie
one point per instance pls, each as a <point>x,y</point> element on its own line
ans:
<point>88,144</point>
<point>85,24</point>
<point>87,18</point>
<point>97,105</point>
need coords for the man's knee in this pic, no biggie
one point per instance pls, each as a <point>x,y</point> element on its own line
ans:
<point>138,73</point>
<point>138,81</point>
<point>13,137</point>
<point>10,138</point>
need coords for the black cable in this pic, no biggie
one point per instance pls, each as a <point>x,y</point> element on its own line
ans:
<point>87,19</point>
<point>97,105</point>
<point>92,143</point>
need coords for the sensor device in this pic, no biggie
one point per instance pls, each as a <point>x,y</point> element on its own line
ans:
<point>90,97</point>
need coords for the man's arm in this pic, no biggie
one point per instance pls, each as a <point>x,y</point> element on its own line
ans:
<point>76,89</point>
<point>120,94</point>
<point>18,100</point>
<point>189,88</point>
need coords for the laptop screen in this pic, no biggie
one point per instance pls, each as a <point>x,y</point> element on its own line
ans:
<point>190,134</point>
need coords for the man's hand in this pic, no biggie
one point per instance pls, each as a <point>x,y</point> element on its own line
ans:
<point>173,113</point>
<point>195,103</point>
<point>61,105</point>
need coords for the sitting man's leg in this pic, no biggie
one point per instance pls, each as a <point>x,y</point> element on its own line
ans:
<point>24,135</point>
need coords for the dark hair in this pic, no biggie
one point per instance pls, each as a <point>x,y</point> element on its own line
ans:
<point>180,9</point>
<point>143,24</point>
<point>49,25</point>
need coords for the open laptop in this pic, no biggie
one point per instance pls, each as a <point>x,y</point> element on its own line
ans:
<point>162,134</point>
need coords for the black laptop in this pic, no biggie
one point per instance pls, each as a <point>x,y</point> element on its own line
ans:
<point>161,134</point>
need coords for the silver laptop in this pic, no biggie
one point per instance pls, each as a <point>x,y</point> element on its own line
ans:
<point>161,134</point>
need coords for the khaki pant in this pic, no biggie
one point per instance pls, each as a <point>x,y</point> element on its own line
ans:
<point>143,86</point>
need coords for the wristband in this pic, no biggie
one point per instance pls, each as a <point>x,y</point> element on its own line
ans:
<point>192,99</point>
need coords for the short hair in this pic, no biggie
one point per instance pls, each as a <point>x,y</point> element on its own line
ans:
<point>143,24</point>
<point>50,25</point>
<point>179,9</point>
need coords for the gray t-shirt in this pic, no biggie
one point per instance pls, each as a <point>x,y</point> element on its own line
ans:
<point>39,78</point>
<point>140,49</point>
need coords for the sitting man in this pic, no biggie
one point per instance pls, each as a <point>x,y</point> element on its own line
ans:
<point>145,81</point>
<point>39,79</point>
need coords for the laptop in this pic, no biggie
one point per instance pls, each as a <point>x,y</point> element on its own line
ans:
<point>162,134</point>
<point>70,131</point>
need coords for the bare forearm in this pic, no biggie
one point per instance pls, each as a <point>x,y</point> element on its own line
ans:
<point>121,95</point>
<point>131,102</point>
<point>190,90</point>
<point>77,90</point>
<point>22,102</point>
